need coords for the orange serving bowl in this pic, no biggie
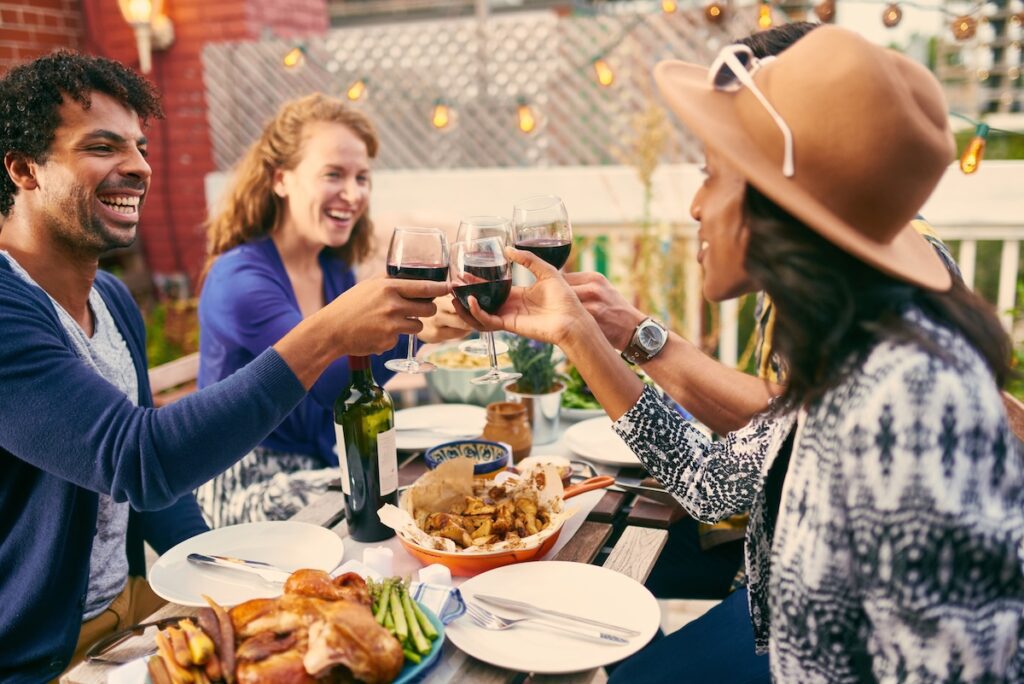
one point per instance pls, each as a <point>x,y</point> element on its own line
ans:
<point>469,564</point>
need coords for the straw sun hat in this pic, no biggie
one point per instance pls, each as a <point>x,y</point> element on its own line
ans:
<point>871,140</point>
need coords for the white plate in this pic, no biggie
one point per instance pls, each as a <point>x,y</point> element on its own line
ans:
<point>585,590</point>
<point>595,441</point>
<point>451,419</point>
<point>290,546</point>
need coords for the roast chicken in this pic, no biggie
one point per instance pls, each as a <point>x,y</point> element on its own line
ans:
<point>319,630</point>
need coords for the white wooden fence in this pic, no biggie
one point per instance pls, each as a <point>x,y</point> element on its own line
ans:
<point>609,201</point>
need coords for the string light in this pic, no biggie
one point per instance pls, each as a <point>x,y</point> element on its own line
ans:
<point>1017,19</point>
<point>983,74</point>
<point>669,6</point>
<point>971,159</point>
<point>714,13</point>
<point>1013,73</point>
<point>441,116</point>
<point>356,90</point>
<point>605,75</point>
<point>964,27</point>
<point>826,11</point>
<point>892,16</point>
<point>294,58</point>
<point>764,15</point>
<point>527,120</point>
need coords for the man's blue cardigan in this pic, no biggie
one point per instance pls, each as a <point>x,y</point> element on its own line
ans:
<point>66,434</point>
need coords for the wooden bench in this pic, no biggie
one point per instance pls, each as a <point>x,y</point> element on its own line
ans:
<point>173,380</point>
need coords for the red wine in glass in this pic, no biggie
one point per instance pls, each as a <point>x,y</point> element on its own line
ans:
<point>417,271</point>
<point>480,270</point>
<point>541,225</point>
<point>416,254</point>
<point>555,251</point>
<point>489,295</point>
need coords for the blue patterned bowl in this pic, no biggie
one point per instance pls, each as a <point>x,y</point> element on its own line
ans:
<point>490,457</point>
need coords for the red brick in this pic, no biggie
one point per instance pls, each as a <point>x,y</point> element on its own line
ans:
<point>16,35</point>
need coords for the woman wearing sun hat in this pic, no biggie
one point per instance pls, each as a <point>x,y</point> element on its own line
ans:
<point>886,497</point>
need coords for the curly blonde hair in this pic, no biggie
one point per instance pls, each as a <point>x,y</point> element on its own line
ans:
<point>251,209</point>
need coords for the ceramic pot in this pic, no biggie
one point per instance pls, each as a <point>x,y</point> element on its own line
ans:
<point>507,422</point>
<point>542,410</point>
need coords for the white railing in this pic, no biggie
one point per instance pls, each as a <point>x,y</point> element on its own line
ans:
<point>608,201</point>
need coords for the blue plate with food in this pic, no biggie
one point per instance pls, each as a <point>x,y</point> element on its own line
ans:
<point>319,627</point>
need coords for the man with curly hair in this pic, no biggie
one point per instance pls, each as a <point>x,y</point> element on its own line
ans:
<point>88,469</point>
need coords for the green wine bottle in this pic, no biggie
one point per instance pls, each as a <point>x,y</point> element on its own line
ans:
<point>364,421</point>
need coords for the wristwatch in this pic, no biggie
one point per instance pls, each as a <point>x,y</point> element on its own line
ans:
<point>648,339</point>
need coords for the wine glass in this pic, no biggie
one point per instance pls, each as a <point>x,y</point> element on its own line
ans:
<point>541,225</point>
<point>416,254</point>
<point>474,228</point>
<point>479,268</point>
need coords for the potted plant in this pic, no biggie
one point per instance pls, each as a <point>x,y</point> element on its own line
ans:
<point>540,387</point>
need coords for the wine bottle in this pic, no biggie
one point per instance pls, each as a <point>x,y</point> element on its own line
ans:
<point>364,421</point>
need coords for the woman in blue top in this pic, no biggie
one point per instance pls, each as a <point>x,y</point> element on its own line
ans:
<point>284,243</point>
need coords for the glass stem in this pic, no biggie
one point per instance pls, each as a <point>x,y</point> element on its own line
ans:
<point>412,339</point>
<point>491,351</point>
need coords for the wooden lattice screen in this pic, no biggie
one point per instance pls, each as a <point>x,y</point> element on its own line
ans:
<point>482,73</point>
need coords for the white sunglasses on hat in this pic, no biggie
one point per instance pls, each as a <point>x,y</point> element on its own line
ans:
<point>733,69</point>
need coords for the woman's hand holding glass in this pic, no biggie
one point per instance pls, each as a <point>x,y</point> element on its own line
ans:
<point>548,310</point>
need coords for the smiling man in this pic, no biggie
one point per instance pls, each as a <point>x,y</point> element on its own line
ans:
<point>88,469</point>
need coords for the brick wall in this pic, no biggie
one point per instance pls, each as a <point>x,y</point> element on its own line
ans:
<point>171,232</point>
<point>30,28</point>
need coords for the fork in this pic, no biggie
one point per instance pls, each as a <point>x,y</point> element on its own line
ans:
<point>488,620</point>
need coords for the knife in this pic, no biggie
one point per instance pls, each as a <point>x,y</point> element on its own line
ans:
<point>522,605</point>
<point>268,572</point>
<point>653,493</point>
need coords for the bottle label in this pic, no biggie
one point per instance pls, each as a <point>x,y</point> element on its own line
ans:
<point>387,461</point>
<point>346,482</point>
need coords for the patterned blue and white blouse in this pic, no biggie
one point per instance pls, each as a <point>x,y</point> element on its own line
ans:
<point>897,552</point>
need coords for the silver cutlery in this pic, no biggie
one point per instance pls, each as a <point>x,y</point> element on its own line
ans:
<point>488,620</point>
<point>524,606</point>
<point>270,573</point>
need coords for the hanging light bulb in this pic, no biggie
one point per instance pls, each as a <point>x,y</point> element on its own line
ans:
<point>714,13</point>
<point>983,74</point>
<point>1013,73</point>
<point>1017,19</point>
<point>605,75</point>
<point>356,90</point>
<point>294,58</point>
<point>964,27</point>
<point>527,121</point>
<point>441,116</point>
<point>971,159</point>
<point>826,11</point>
<point>764,16</point>
<point>669,6</point>
<point>892,15</point>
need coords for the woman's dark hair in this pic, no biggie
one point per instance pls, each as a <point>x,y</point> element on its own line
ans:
<point>31,95</point>
<point>773,41</point>
<point>831,307</point>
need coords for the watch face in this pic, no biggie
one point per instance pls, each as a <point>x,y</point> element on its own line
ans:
<point>650,337</point>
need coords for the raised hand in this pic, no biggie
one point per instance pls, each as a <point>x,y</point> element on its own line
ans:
<point>446,324</point>
<point>546,310</point>
<point>616,317</point>
<point>369,317</point>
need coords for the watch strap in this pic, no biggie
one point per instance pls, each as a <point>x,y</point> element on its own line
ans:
<point>634,352</point>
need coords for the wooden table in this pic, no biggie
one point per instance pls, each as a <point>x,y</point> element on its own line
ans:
<point>608,537</point>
